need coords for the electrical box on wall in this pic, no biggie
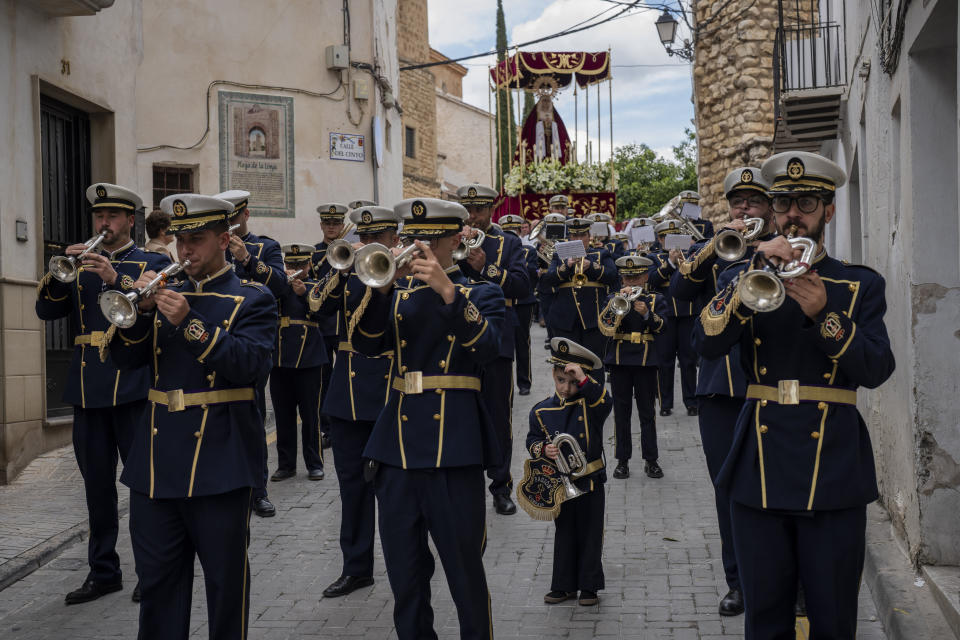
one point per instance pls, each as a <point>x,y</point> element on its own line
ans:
<point>338,56</point>
<point>361,90</point>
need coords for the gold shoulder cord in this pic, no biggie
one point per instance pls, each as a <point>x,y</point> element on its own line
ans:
<point>686,267</point>
<point>358,313</point>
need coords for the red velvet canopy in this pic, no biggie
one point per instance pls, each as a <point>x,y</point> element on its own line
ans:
<point>523,69</point>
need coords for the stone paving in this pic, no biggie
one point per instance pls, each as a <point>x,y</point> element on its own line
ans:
<point>661,558</point>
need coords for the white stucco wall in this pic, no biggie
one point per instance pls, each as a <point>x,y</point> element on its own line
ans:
<point>103,52</point>
<point>188,44</point>
<point>463,137</point>
<point>900,137</point>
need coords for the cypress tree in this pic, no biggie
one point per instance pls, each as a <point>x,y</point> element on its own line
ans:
<point>507,134</point>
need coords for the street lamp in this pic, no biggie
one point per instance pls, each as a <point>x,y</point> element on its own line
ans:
<point>667,30</point>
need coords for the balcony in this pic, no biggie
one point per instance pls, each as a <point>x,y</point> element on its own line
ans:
<point>64,8</point>
<point>809,79</point>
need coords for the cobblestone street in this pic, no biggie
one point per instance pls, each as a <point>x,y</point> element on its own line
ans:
<point>661,558</point>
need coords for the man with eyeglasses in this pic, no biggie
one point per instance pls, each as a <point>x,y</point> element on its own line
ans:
<point>800,471</point>
<point>722,384</point>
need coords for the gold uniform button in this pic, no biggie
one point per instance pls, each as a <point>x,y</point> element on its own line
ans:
<point>764,428</point>
<point>763,403</point>
<point>821,405</point>
<point>815,435</point>
<point>79,287</point>
<point>579,418</point>
<point>443,363</point>
<point>827,375</point>
<point>404,296</point>
<point>404,418</point>
<point>226,323</point>
<point>852,287</point>
<point>386,377</point>
<point>211,377</point>
<point>353,374</point>
<point>763,371</point>
<point>450,338</point>
<point>757,341</point>
<point>581,435</point>
<point>403,343</point>
<point>82,307</point>
<point>436,416</point>
<point>154,431</point>
<point>347,313</point>
<point>83,363</point>
<point>196,434</point>
<point>157,324</point>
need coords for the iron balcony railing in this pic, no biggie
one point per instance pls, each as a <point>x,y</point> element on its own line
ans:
<point>808,57</point>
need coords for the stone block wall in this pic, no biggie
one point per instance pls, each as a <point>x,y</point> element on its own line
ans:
<point>418,100</point>
<point>733,93</point>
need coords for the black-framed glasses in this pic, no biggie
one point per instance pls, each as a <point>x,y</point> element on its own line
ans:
<point>806,204</point>
<point>753,201</point>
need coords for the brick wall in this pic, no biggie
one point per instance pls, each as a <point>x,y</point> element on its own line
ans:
<point>418,100</point>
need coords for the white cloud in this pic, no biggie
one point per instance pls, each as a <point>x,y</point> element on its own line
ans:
<point>651,104</point>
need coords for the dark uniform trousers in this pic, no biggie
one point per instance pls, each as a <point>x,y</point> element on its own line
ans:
<point>522,341</point>
<point>358,519</point>
<point>629,383</point>
<point>497,393</point>
<point>832,545</point>
<point>675,339</point>
<point>100,437</point>
<point>292,390</point>
<point>578,544</point>
<point>168,534</point>
<point>448,504</point>
<point>107,404</point>
<point>326,371</point>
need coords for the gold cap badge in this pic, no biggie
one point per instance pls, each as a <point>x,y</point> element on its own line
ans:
<point>101,191</point>
<point>795,169</point>
<point>179,208</point>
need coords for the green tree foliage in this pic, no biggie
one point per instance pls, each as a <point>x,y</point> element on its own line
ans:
<point>646,181</point>
<point>507,127</point>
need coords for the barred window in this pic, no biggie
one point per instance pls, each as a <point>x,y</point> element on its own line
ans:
<point>170,180</point>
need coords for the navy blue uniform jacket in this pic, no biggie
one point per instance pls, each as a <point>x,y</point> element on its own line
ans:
<point>573,306</point>
<point>633,337</point>
<point>92,384</point>
<point>300,344</point>
<point>448,344</point>
<point>812,455</point>
<point>222,348</point>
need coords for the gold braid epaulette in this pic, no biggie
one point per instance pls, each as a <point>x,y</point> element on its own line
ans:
<point>329,283</point>
<point>358,313</point>
<point>715,319</point>
<point>690,265</point>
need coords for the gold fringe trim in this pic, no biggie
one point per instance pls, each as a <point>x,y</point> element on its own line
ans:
<point>104,347</point>
<point>325,287</point>
<point>536,512</point>
<point>605,328</point>
<point>714,325</point>
<point>708,250</point>
<point>358,313</point>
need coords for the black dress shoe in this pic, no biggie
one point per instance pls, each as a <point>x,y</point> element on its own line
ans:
<point>346,584</point>
<point>652,469</point>
<point>559,596</point>
<point>622,472</point>
<point>135,596</point>
<point>264,508</point>
<point>504,505</point>
<point>91,590</point>
<point>693,411</point>
<point>524,392</point>
<point>315,474</point>
<point>732,603</point>
<point>325,440</point>
<point>588,598</point>
<point>665,412</point>
<point>282,474</point>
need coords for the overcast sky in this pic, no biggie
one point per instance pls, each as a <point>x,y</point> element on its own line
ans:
<point>651,104</point>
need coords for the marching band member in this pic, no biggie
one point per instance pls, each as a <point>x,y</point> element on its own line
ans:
<point>499,261</point>
<point>604,240</point>
<point>675,336</point>
<point>256,258</point>
<point>358,391</point>
<point>722,383</point>
<point>579,407</point>
<point>554,228</point>
<point>800,471</point>
<point>704,226</point>
<point>331,223</point>
<point>523,306</point>
<point>632,360</point>
<point>581,284</point>
<point>197,451</point>
<point>106,404</point>
<point>296,375</point>
<point>432,440</point>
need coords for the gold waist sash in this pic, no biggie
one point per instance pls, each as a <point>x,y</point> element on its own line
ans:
<point>177,400</point>
<point>414,382</point>
<point>792,392</point>
<point>94,338</point>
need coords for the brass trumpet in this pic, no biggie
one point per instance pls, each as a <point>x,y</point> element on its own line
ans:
<point>579,277</point>
<point>762,289</point>
<point>121,309</point>
<point>671,211</point>
<point>291,276</point>
<point>376,266</point>
<point>340,254</point>
<point>572,465</point>
<point>66,268</point>
<point>233,228</point>
<point>731,245</point>
<point>622,304</point>
<point>466,245</point>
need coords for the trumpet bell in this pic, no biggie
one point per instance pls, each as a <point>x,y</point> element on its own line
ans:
<point>118,309</point>
<point>375,265</point>
<point>63,268</point>
<point>463,249</point>
<point>620,305</point>
<point>340,254</point>
<point>761,291</point>
<point>730,245</point>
